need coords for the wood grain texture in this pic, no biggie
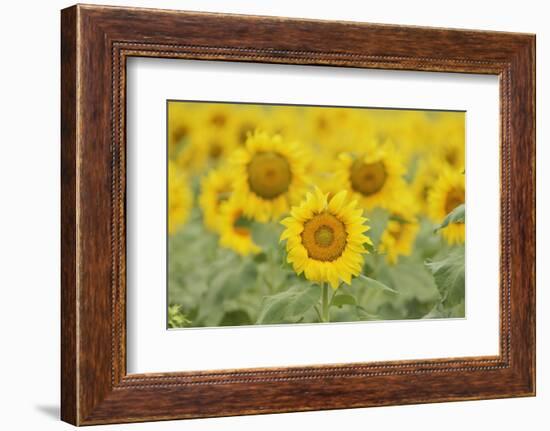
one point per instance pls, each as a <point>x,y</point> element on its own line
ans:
<point>96,42</point>
<point>69,397</point>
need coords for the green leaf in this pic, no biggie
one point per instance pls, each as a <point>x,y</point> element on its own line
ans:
<point>410,280</point>
<point>363,314</point>
<point>236,318</point>
<point>227,283</point>
<point>363,280</point>
<point>458,215</point>
<point>458,310</point>
<point>292,303</point>
<point>343,299</point>
<point>176,317</point>
<point>439,311</point>
<point>449,276</point>
<point>426,245</point>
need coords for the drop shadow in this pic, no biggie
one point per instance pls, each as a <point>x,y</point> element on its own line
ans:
<point>52,411</point>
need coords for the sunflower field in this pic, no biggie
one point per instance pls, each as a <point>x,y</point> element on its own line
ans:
<point>300,214</point>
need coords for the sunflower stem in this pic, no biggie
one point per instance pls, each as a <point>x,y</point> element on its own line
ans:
<point>325,317</point>
<point>316,308</point>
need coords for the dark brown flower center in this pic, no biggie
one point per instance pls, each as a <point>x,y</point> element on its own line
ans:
<point>269,175</point>
<point>455,197</point>
<point>215,150</point>
<point>451,156</point>
<point>218,119</point>
<point>179,132</point>
<point>324,237</point>
<point>367,178</point>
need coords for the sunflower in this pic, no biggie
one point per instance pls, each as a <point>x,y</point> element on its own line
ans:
<point>398,237</point>
<point>452,152</point>
<point>215,190</point>
<point>426,174</point>
<point>286,121</point>
<point>321,123</point>
<point>246,119</point>
<point>412,135</point>
<point>450,139</point>
<point>374,178</point>
<point>447,193</point>
<point>328,125</point>
<point>269,176</point>
<point>182,122</point>
<point>208,148</point>
<point>325,239</point>
<point>180,198</point>
<point>217,116</point>
<point>234,231</point>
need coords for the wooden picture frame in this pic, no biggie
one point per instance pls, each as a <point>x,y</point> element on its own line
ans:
<point>96,41</point>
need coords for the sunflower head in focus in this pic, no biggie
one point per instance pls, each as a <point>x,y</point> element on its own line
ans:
<point>269,176</point>
<point>374,177</point>
<point>180,198</point>
<point>326,239</point>
<point>447,193</point>
<point>234,229</point>
<point>215,190</point>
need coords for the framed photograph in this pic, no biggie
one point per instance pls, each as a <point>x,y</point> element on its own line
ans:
<point>265,215</point>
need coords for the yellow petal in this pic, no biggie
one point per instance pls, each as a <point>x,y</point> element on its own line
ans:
<point>337,202</point>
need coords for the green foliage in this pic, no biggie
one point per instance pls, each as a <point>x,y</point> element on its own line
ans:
<point>236,318</point>
<point>428,244</point>
<point>363,280</point>
<point>176,318</point>
<point>343,299</point>
<point>266,235</point>
<point>290,304</point>
<point>212,286</point>
<point>402,291</point>
<point>441,312</point>
<point>378,219</point>
<point>458,215</point>
<point>449,276</point>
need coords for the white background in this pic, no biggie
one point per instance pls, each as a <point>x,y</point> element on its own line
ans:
<point>153,349</point>
<point>29,217</point>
